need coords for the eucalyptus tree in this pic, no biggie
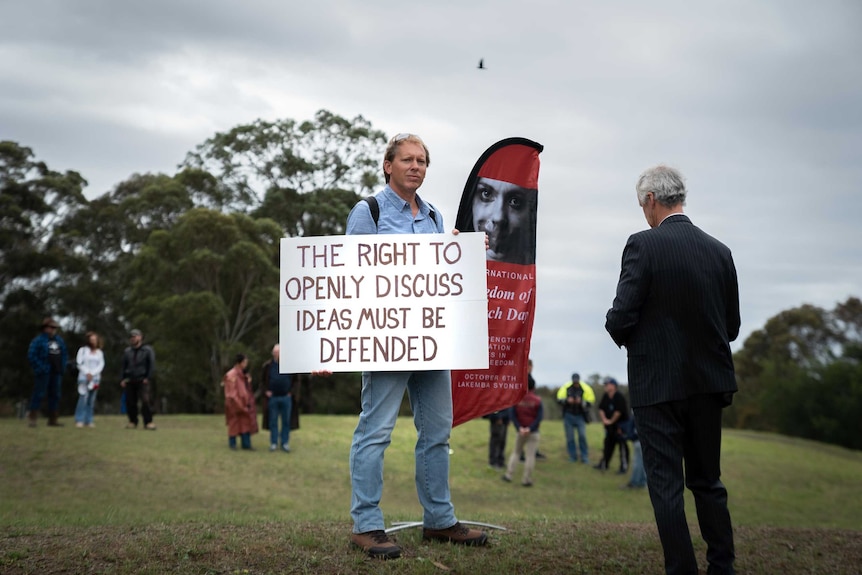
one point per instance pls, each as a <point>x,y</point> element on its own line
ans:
<point>204,290</point>
<point>305,175</point>
<point>33,199</point>
<point>104,237</point>
<point>801,374</point>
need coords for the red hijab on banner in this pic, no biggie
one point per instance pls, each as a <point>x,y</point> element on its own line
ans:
<point>500,199</point>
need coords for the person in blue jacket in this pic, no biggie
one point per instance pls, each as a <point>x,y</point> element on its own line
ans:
<point>47,356</point>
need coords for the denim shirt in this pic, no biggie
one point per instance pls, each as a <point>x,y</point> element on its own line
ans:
<point>396,217</point>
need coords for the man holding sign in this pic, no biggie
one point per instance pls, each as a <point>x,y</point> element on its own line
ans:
<point>398,209</point>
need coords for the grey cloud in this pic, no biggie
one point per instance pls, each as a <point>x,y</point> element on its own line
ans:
<point>759,104</point>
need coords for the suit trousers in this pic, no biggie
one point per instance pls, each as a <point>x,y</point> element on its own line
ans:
<point>681,443</point>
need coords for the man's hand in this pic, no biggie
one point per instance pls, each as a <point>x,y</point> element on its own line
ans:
<point>123,383</point>
<point>455,232</point>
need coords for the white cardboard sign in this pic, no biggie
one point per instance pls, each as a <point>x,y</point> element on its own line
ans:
<point>383,302</point>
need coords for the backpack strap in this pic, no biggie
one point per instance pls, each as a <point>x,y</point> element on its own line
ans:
<point>375,209</point>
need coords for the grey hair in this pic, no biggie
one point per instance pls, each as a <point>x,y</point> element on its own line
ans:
<point>666,184</point>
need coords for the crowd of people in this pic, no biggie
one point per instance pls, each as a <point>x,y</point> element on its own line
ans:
<point>676,310</point>
<point>575,398</point>
<point>280,412</point>
<point>48,358</point>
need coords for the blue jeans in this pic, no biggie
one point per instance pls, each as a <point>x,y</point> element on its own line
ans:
<point>84,409</point>
<point>245,441</point>
<point>279,407</point>
<point>570,422</point>
<point>638,478</point>
<point>46,384</point>
<point>430,394</point>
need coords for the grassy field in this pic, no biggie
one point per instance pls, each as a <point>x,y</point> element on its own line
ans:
<point>110,500</point>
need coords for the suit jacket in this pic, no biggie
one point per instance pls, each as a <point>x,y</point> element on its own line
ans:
<point>676,311</point>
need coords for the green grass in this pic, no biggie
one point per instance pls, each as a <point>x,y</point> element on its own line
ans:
<point>110,500</point>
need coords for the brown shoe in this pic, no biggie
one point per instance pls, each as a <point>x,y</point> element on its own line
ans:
<point>377,544</point>
<point>150,426</point>
<point>456,534</point>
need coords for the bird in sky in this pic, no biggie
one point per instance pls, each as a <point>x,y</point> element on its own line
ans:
<point>481,65</point>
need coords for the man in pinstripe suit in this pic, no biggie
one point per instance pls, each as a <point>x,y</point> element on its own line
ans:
<point>677,310</point>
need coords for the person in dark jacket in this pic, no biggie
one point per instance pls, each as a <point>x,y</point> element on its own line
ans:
<point>499,421</point>
<point>570,396</point>
<point>613,411</point>
<point>278,390</point>
<point>676,311</point>
<point>139,365</point>
<point>47,356</point>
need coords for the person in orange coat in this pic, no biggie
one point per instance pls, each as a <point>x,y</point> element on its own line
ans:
<point>239,407</point>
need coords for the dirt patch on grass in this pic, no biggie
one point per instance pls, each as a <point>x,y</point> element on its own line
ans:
<point>287,548</point>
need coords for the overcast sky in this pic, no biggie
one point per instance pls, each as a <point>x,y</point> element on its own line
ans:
<point>759,104</point>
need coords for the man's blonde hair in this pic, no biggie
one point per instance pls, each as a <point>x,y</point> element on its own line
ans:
<point>392,148</point>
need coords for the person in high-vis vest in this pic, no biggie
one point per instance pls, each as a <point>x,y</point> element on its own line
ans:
<point>576,397</point>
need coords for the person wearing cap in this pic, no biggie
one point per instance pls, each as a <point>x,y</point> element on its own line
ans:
<point>47,356</point>
<point>676,310</point>
<point>575,412</point>
<point>139,364</point>
<point>613,411</point>
<point>400,210</point>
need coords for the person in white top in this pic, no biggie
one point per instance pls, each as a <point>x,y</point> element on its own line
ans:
<point>91,362</point>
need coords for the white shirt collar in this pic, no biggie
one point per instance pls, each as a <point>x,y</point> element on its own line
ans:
<point>670,216</point>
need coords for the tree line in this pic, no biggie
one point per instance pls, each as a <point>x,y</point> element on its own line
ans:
<point>191,259</point>
<point>801,375</point>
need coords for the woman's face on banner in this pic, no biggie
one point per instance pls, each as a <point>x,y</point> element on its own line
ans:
<point>503,211</point>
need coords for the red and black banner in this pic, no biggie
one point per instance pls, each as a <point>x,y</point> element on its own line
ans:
<point>500,199</point>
